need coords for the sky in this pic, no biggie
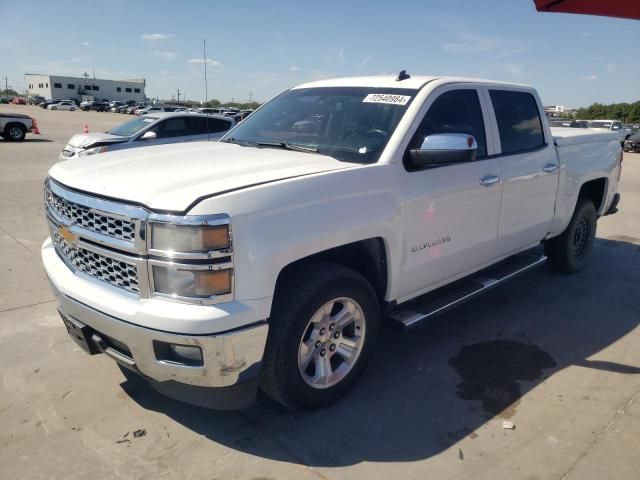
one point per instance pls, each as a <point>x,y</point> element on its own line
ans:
<point>263,48</point>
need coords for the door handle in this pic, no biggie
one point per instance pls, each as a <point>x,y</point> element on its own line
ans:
<point>489,180</point>
<point>550,167</point>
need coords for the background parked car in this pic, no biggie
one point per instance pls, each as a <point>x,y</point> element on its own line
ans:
<point>611,125</point>
<point>96,105</point>
<point>115,105</point>
<point>145,130</point>
<point>632,144</point>
<point>14,126</point>
<point>150,109</point>
<point>630,129</point>
<point>64,105</point>
<point>19,101</point>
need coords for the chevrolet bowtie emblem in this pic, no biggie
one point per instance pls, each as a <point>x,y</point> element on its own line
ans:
<point>67,234</point>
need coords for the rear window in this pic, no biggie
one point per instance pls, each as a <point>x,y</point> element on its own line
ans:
<point>518,118</point>
<point>217,125</point>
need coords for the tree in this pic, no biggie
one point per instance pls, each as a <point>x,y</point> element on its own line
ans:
<point>626,112</point>
<point>10,92</point>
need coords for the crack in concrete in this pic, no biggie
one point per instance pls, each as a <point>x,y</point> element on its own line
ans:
<point>619,413</point>
<point>18,242</point>
<point>10,309</point>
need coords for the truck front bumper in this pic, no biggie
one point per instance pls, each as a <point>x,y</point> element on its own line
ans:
<point>223,375</point>
<point>226,378</point>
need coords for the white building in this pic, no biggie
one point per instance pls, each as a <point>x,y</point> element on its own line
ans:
<point>556,110</point>
<point>55,87</point>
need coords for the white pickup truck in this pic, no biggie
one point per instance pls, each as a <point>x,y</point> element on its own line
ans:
<point>269,259</point>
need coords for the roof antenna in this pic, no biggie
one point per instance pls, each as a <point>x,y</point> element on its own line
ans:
<point>403,75</point>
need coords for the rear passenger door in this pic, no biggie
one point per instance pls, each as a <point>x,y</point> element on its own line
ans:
<point>529,167</point>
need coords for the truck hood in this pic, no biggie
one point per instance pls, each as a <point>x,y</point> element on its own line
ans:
<point>173,177</point>
<point>84,140</point>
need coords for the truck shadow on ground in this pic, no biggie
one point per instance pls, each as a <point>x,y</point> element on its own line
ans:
<point>425,390</point>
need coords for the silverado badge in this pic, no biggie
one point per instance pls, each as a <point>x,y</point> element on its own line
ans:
<point>431,243</point>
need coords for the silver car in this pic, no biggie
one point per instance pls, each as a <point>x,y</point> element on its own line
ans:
<point>153,129</point>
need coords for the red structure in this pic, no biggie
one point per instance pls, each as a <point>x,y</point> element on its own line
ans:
<point>607,8</point>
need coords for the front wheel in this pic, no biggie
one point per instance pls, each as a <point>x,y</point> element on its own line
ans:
<point>15,132</point>
<point>568,252</point>
<point>324,324</point>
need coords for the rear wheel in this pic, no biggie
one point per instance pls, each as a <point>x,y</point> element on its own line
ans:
<point>324,325</point>
<point>569,251</point>
<point>15,132</point>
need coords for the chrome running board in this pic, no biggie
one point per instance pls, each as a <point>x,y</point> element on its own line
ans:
<point>415,311</point>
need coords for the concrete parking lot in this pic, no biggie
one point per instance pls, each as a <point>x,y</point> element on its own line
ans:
<point>556,355</point>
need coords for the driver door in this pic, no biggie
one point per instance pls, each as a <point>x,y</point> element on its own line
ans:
<point>450,212</point>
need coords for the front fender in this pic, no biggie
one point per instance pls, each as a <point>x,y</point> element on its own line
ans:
<point>279,223</point>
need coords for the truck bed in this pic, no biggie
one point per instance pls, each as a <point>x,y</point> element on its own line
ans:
<point>564,136</point>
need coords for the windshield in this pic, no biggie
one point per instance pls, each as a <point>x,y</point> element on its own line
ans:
<point>132,127</point>
<point>352,124</point>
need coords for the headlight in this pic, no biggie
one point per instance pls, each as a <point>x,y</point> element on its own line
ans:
<point>191,258</point>
<point>93,151</point>
<point>189,238</point>
<point>185,281</point>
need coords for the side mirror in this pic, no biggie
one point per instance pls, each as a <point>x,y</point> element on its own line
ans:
<point>149,135</point>
<point>444,149</point>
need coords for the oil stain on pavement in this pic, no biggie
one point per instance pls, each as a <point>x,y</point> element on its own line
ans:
<point>490,372</point>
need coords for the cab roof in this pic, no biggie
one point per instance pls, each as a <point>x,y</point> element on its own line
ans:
<point>414,82</point>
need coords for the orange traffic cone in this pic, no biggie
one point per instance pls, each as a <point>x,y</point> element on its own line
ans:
<point>35,127</point>
<point>86,128</point>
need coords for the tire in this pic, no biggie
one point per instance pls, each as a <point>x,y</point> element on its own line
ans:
<point>14,132</point>
<point>568,252</point>
<point>301,296</point>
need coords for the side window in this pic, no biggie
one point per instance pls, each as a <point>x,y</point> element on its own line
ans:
<point>217,125</point>
<point>173,127</point>
<point>455,111</point>
<point>518,120</point>
<point>197,125</point>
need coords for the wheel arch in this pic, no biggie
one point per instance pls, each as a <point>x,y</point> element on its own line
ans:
<point>594,190</point>
<point>368,257</point>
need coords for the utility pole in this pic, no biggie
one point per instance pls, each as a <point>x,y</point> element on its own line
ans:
<point>6,86</point>
<point>204,60</point>
<point>178,96</point>
<point>250,96</point>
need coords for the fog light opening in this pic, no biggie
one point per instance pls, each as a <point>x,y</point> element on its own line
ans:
<point>188,355</point>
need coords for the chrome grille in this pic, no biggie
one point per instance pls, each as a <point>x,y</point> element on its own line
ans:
<point>115,272</point>
<point>90,219</point>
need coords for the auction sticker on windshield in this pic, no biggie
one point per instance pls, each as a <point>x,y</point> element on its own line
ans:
<point>386,98</point>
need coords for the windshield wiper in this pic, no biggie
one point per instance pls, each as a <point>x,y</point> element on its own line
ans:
<point>289,146</point>
<point>244,143</point>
